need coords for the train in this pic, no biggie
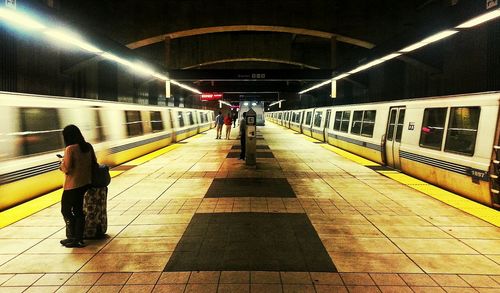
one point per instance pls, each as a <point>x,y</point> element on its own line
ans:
<point>448,141</point>
<point>31,127</point>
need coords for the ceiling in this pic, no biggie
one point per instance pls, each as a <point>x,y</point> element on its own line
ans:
<point>256,34</point>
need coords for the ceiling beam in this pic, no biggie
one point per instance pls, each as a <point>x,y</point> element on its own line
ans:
<point>251,59</point>
<point>244,28</point>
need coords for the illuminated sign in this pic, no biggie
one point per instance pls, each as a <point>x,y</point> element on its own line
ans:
<point>211,96</point>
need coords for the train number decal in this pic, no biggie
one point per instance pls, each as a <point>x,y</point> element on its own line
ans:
<point>411,126</point>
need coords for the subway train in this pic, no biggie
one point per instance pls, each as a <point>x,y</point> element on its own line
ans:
<point>449,141</point>
<point>30,137</point>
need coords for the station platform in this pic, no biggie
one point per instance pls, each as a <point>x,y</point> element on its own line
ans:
<point>194,218</point>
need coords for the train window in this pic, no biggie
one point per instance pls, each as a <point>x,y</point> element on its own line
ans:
<point>431,135</point>
<point>327,119</point>
<point>180,117</point>
<point>462,130</point>
<point>399,128</point>
<point>156,121</point>
<point>99,127</point>
<point>190,118</point>
<point>392,123</point>
<point>357,120</point>
<point>40,130</point>
<point>338,120</point>
<point>134,123</point>
<point>317,119</point>
<point>368,123</point>
<point>308,118</point>
<point>344,125</point>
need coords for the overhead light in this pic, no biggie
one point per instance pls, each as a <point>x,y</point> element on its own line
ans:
<point>70,38</point>
<point>254,104</point>
<point>160,76</point>
<point>480,19</point>
<point>116,59</point>
<point>225,103</point>
<point>20,20</point>
<point>391,56</point>
<point>245,104</point>
<point>275,103</point>
<point>431,39</point>
<point>315,87</point>
<point>185,87</point>
<point>142,69</point>
<point>339,77</point>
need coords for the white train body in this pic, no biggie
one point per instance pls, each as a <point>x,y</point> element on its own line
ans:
<point>30,136</point>
<point>451,141</point>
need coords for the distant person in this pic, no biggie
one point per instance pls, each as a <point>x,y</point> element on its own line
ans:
<point>243,135</point>
<point>228,121</point>
<point>235,117</point>
<point>76,165</point>
<point>219,121</point>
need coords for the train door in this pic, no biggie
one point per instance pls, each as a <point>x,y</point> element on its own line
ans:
<point>393,136</point>
<point>327,124</point>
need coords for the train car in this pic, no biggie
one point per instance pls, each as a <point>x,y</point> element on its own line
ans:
<point>296,120</point>
<point>306,125</point>
<point>204,122</point>
<point>320,123</point>
<point>441,140</point>
<point>30,136</point>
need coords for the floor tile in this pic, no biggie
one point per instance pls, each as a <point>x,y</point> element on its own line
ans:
<point>250,187</point>
<point>40,263</point>
<point>382,263</point>
<point>126,262</point>
<point>455,264</point>
<point>144,278</point>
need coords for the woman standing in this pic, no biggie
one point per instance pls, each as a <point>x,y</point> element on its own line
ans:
<point>76,165</point>
<point>228,121</point>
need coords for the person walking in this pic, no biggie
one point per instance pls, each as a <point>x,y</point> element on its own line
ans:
<point>228,121</point>
<point>235,117</point>
<point>219,121</point>
<point>243,136</point>
<point>77,168</point>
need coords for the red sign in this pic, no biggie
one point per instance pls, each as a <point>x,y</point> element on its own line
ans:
<point>211,96</point>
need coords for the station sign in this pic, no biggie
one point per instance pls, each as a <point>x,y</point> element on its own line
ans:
<point>10,4</point>
<point>211,96</point>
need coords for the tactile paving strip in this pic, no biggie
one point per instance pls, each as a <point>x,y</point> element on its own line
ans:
<point>250,242</point>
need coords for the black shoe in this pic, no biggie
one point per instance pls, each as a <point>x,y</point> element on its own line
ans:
<point>65,241</point>
<point>75,244</point>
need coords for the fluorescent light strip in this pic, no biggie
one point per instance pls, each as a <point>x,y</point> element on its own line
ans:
<point>116,59</point>
<point>315,87</point>
<point>185,87</point>
<point>434,38</point>
<point>20,20</point>
<point>225,103</point>
<point>339,77</point>
<point>70,38</point>
<point>480,19</point>
<point>275,103</point>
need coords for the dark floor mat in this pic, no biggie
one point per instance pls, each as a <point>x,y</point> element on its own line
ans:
<point>250,187</point>
<point>258,155</point>
<point>259,147</point>
<point>250,242</point>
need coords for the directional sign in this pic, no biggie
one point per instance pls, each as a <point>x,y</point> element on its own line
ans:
<point>10,3</point>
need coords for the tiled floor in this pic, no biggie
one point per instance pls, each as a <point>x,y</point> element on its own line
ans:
<point>380,235</point>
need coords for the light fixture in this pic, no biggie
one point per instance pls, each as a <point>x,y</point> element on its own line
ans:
<point>245,104</point>
<point>339,77</point>
<point>185,87</point>
<point>315,87</point>
<point>20,20</point>
<point>480,19</point>
<point>275,103</point>
<point>254,104</point>
<point>142,69</point>
<point>70,38</point>
<point>429,40</point>
<point>116,59</point>
<point>225,103</point>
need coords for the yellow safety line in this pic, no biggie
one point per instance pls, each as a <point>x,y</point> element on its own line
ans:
<point>464,204</point>
<point>28,208</point>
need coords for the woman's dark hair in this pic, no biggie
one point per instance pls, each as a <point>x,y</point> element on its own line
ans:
<point>73,135</point>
